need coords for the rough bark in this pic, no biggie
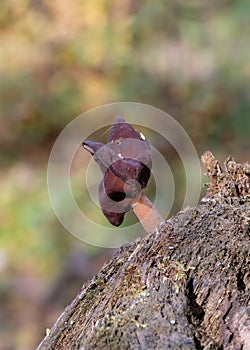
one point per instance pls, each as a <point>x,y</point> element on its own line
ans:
<point>186,286</point>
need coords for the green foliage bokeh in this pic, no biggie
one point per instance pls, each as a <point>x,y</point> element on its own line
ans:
<point>61,58</point>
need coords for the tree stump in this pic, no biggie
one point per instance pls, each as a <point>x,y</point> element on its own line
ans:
<point>185,286</point>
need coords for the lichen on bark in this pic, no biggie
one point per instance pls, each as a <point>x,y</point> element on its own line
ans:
<point>229,183</point>
<point>185,286</point>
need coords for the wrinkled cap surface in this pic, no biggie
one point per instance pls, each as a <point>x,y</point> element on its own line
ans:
<point>125,162</point>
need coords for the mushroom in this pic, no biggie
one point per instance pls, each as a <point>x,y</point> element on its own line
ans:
<point>125,162</point>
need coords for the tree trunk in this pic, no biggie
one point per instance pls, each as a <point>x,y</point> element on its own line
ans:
<point>186,286</point>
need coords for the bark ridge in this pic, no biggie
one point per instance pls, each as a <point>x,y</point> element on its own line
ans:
<point>185,286</point>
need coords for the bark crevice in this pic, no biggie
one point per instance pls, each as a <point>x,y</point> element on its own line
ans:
<point>186,286</point>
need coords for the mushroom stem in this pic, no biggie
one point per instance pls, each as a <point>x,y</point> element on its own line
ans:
<point>147,214</point>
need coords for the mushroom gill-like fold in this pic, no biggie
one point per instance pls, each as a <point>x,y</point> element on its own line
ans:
<point>125,163</point>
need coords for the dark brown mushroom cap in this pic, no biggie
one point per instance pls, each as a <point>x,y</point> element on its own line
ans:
<point>110,208</point>
<point>125,162</point>
<point>127,169</point>
<point>122,130</point>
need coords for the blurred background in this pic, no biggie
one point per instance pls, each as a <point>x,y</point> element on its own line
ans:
<point>58,59</point>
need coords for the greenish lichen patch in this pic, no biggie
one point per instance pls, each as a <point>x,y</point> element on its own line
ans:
<point>184,287</point>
